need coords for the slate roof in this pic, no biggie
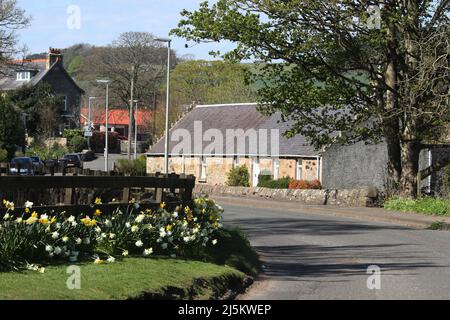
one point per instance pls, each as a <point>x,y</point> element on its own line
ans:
<point>8,81</point>
<point>232,117</point>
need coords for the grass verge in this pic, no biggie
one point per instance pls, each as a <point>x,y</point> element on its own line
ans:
<point>428,206</point>
<point>132,278</point>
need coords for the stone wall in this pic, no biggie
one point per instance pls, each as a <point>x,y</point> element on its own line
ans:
<point>365,197</point>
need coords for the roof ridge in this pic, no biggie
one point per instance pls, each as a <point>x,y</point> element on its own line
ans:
<point>247,104</point>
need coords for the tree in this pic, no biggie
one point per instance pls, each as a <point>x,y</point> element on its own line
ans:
<point>43,109</point>
<point>135,57</point>
<point>371,70</point>
<point>12,18</point>
<point>11,127</point>
<point>209,82</point>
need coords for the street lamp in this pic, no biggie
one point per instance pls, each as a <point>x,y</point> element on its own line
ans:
<point>136,129</point>
<point>166,152</point>
<point>90,120</point>
<point>106,82</point>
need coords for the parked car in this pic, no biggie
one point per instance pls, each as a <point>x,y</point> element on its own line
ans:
<point>22,166</point>
<point>72,160</point>
<point>88,156</point>
<point>38,165</point>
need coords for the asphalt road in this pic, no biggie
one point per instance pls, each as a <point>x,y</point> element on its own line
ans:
<point>313,256</point>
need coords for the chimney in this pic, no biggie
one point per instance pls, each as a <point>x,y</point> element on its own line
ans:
<point>54,55</point>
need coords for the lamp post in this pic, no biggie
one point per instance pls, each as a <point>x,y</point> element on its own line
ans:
<point>107,82</point>
<point>90,119</point>
<point>136,128</point>
<point>166,152</point>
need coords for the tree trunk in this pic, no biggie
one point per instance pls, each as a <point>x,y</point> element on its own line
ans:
<point>410,151</point>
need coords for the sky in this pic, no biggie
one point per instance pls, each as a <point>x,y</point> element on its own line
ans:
<point>55,23</point>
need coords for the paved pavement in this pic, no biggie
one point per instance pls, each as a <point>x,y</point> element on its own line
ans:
<point>99,163</point>
<point>309,254</point>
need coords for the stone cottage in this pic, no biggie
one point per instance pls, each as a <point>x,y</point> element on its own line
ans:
<point>337,167</point>
<point>51,71</point>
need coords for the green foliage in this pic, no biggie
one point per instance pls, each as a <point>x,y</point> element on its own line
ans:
<point>78,144</point>
<point>56,151</point>
<point>132,167</point>
<point>437,225</point>
<point>234,249</point>
<point>239,177</point>
<point>12,134</point>
<point>3,155</point>
<point>282,183</point>
<point>210,82</point>
<point>428,206</point>
<point>42,106</point>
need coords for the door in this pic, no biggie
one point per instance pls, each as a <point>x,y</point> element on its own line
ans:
<point>256,172</point>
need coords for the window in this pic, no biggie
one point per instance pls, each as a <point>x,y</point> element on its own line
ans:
<point>299,171</point>
<point>23,76</point>
<point>203,170</point>
<point>276,169</point>
<point>65,103</point>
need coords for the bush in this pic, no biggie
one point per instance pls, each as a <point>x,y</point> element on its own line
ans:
<point>78,144</point>
<point>56,151</point>
<point>239,177</point>
<point>46,238</point>
<point>132,167</point>
<point>3,155</point>
<point>429,206</point>
<point>282,183</point>
<point>98,142</point>
<point>305,184</point>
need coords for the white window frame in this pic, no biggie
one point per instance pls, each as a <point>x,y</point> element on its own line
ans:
<point>276,169</point>
<point>65,103</point>
<point>299,169</point>
<point>23,76</point>
<point>203,174</point>
<point>236,161</point>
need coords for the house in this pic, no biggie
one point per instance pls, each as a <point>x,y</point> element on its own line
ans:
<point>51,71</point>
<point>118,120</point>
<point>210,140</point>
<point>242,136</point>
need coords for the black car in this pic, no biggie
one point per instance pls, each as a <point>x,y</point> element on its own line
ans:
<point>22,166</point>
<point>38,165</point>
<point>72,160</point>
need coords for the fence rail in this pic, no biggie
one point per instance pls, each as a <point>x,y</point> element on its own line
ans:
<point>74,194</point>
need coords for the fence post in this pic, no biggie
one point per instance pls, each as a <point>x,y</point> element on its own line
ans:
<point>419,183</point>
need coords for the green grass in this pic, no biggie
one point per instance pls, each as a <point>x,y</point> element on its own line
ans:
<point>428,206</point>
<point>125,279</point>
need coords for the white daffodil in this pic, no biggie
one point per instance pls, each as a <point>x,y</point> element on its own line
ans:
<point>134,229</point>
<point>58,251</point>
<point>6,216</point>
<point>140,218</point>
<point>108,224</point>
<point>148,252</point>
<point>112,236</point>
<point>48,248</point>
<point>55,235</point>
<point>125,253</point>
<point>78,241</point>
<point>65,239</point>
<point>128,225</point>
<point>214,242</point>
<point>71,219</point>
<point>164,246</point>
<point>29,204</point>
<point>111,260</point>
<point>139,244</point>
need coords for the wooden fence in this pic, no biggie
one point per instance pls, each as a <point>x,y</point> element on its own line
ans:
<point>76,194</point>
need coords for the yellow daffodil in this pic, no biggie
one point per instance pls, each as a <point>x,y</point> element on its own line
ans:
<point>98,212</point>
<point>169,228</point>
<point>98,201</point>
<point>99,261</point>
<point>163,205</point>
<point>88,222</point>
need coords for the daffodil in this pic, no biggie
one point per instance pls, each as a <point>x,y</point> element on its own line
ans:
<point>98,201</point>
<point>139,244</point>
<point>125,253</point>
<point>99,261</point>
<point>98,212</point>
<point>148,252</point>
<point>163,205</point>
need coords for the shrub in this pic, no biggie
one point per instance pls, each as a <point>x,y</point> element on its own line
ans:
<point>78,144</point>
<point>239,177</point>
<point>36,238</point>
<point>3,155</point>
<point>56,151</point>
<point>282,183</point>
<point>305,184</point>
<point>98,142</point>
<point>132,167</point>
